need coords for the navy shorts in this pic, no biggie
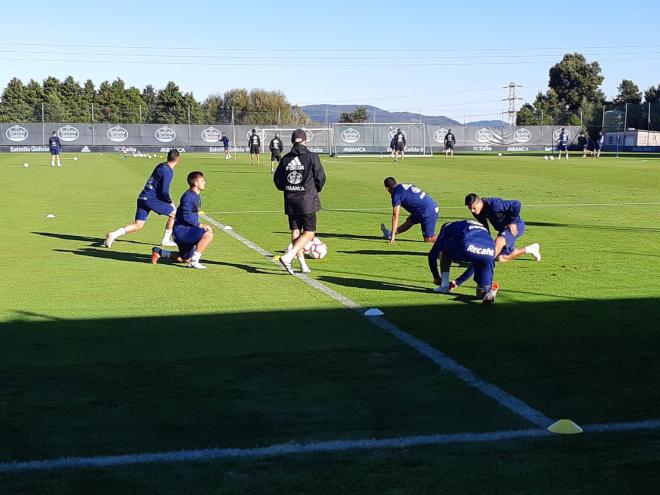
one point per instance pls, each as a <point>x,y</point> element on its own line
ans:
<point>399,147</point>
<point>427,221</point>
<point>254,150</point>
<point>144,206</point>
<point>510,238</point>
<point>54,152</point>
<point>275,157</point>
<point>449,146</point>
<point>563,147</point>
<point>187,238</point>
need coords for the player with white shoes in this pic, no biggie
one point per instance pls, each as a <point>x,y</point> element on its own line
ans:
<point>154,197</point>
<point>192,237</point>
<point>470,242</point>
<point>55,146</point>
<point>504,216</point>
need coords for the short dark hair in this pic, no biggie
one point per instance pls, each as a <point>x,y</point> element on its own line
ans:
<point>390,182</point>
<point>254,131</point>
<point>172,155</point>
<point>193,176</point>
<point>471,198</point>
<point>54,132</point>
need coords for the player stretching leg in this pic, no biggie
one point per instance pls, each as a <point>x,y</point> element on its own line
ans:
<point>55,146</point>
<point>504,215</point>
<point>467,241</point>
<point>420,205</point>
<point>192,237</point>
<point>154,197</point>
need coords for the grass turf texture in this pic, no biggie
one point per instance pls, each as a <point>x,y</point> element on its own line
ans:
<point>102,353</point>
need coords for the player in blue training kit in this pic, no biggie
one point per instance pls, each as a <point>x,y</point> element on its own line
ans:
<point>225,144</point>
<point>55,146</point>
<point>192,237</point>
<point>420,205</point>
<point>467,241</point>
<point>504,216</point>
<point>563,142</point>
<point>154,197</point>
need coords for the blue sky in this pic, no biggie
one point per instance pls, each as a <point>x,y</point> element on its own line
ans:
<point>448,58</point>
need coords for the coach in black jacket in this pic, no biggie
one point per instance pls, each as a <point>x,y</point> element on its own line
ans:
<point>301,176</point>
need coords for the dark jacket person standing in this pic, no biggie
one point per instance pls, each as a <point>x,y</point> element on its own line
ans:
<point>301,176</point>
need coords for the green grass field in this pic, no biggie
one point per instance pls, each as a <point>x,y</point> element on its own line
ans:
<point>102,353</point>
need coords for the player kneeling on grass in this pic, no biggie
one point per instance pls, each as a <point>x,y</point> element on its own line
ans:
<point>467,241</point>
<point>504,215</point>
<point>154,197</point>
<point>301,176</point>
<point>191,237</point>
<point>420,205</point>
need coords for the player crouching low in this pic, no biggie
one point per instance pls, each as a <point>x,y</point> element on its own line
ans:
<point>467,241</point>
<point>191,237</point>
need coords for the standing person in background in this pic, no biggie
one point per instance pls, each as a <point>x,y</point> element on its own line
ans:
<point>400,145</point>
<point>301,176</point>
<point>599,145</point>
<point>563,142</point>
<point>276,146</point>
<point>54,145</point>
<point>393,147</point>
<point>225,144</point>
<point>254,142</point>
<point>583,144</point>
<point>450,141</point>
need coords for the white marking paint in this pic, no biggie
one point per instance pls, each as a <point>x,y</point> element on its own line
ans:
<point>446,363</point>
<point>291,448</point>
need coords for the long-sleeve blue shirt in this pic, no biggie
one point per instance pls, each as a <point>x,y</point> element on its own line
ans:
<point>187,214</point>
<point>158,184</point>
<point>499,212</point>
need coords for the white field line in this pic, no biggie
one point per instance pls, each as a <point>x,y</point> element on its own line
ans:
<point>283,449</point>
<point>379,210</point>
<point>448,364</point>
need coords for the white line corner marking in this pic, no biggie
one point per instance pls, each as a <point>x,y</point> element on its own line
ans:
<point>448,364</point>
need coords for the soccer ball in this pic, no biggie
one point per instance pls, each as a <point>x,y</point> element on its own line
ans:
<point>75,158</point>
<point>545,157</point>
<point>316,249</point>
<point>552,158</point>
<point>499,154</point>
<point>26,164</point>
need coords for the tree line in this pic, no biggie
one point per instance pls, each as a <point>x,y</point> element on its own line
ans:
<point>114,102</point>
<point>574,97</point>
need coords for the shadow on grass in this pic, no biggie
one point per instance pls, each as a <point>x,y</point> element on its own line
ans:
<point>146,258</point>
<point>362,283</point>
<point>615,228</point>
<point>94,241</point>
<point>385,252</point>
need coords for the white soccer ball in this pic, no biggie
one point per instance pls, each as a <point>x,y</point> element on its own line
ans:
<point>26,164</point>
<point>545,157</point>
<point>552,158</point>
<point>317,249</point>
<point>499,154</point>
<point>75,158</point>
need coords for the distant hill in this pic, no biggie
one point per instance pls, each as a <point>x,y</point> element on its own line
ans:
<point>318,113</point>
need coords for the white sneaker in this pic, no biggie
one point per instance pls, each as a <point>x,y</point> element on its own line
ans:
<point>535,250</point>
<point>287,266</point>
<point>386,233</point>
<point>305,269</point>
<point>169,243</point>
<point>441,289</point>
<point>108,240</point>
<point>197,265</point>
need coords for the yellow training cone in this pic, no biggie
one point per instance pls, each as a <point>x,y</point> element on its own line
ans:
<point>564,427</point>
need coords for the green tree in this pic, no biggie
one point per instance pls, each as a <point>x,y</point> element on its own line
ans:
<point>212,109</point>
<point>71,96</point>
<point>171,107</point>
<point>360,114</point>
<point>149,95</point>
<point>547,109</point>
<point>576,81</point>
<point>652,95</point>
<point>628,93</point>
<point>34,98</point>
<point>88,99</point>
<point>14,106</point>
